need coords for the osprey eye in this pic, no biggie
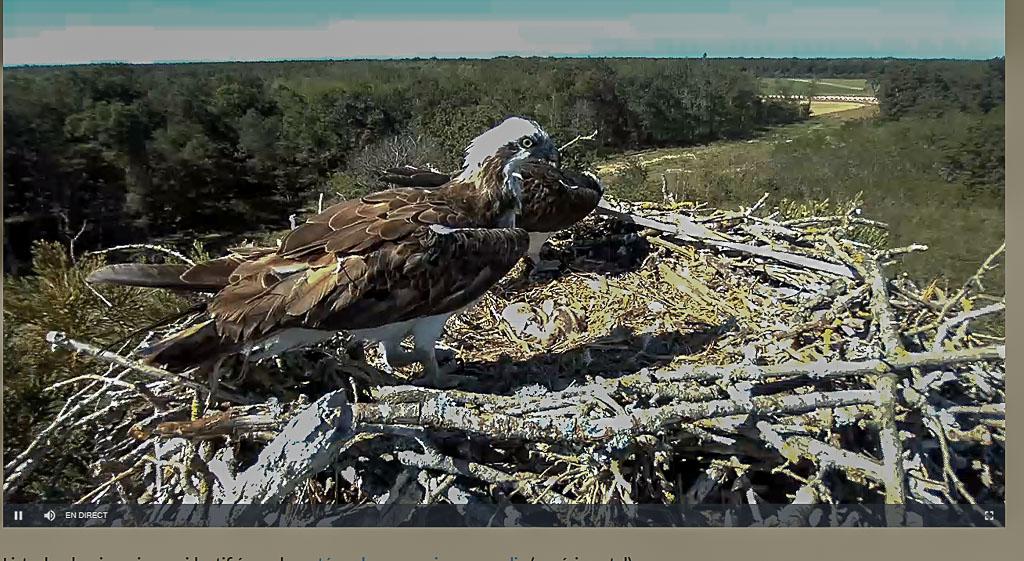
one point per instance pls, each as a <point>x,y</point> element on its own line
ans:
<point>526,142</point>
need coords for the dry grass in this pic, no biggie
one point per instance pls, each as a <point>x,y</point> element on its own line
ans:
<point>827,107</point>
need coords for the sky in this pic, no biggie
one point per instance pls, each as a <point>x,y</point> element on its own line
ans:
<point>84,31</point>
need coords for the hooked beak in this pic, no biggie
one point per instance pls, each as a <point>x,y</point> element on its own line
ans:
<point>553,157</point>
<point>548,155</point>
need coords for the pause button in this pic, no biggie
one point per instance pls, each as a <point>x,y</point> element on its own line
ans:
<point>19,515</point>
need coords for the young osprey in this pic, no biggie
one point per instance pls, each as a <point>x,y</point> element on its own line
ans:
<point>553,198</point>
<point>391,264</point>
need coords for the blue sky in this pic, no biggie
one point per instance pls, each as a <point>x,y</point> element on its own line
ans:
<point>80,31</point>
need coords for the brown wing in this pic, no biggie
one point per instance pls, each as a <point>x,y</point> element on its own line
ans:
<point>427,274</point>
<point>554,198</point>
<point>367,263</point>
<point>412,176</point>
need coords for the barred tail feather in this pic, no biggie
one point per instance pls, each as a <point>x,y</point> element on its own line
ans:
<point>180,277</point>
<point>137,274</point>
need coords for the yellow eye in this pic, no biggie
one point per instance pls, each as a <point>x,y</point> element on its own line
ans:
<point>526,142</point>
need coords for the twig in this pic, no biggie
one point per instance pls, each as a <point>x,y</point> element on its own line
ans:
<point>838,307</point>
<point>685,228</point>
<point>815,220</point>
<point>890,253</point>
<point>105,379</point>
<point>578,138</point>
<point>168,251</point>
<point>943,331</point>
<point>109,483</point>
<point>96,292</point>
<point>22,466</point>
<point>58,338</point>
<point>835,369</point>
<point>938,428</point>
<point>433,459</point>
<point>975,280</point>
<point>442,486</point>
<point>757,205</point>
<point>988,409</point>
<point>788,258</point>
<point>796,447</point>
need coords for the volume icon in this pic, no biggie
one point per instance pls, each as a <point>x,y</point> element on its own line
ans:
<point>50,515</point>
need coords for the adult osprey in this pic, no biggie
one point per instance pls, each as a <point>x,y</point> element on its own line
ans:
<point>553,198</point>
<point>391,264</point>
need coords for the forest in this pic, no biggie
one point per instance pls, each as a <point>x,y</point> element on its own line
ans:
<point>109,154</point>
<point>125,153</point>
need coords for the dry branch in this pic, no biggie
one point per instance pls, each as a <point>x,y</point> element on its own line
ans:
<point>307,444</point>
<point>943,332</point>
<point>60,339</point>
<point>836,369</point>
<point>578,138</point>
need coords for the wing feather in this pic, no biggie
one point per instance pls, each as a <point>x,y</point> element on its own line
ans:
<point>553,198</point>
<point>343,264</point>
<point>311,290</point>
<point>359,264</point>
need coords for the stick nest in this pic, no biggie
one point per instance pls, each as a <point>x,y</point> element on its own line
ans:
<point>680,355</point>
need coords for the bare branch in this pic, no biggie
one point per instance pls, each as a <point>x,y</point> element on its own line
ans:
<point>578,138</point>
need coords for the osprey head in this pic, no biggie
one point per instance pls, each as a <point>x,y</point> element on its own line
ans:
<point>515,138</point>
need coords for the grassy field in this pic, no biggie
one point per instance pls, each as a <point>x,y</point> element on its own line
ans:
<point>830,107</point>
<point>830,86</point>
<point>858,111</point>
<point>834,158</point>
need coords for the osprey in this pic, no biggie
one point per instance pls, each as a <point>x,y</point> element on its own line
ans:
<point>553,198</point>
<point>391,264</point>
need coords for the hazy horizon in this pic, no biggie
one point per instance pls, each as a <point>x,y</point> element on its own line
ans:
<point>63,32</point>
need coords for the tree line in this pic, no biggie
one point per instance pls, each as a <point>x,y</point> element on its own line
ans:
<point>143,151</point>
<point>118,153</point>
<point>976,155</point>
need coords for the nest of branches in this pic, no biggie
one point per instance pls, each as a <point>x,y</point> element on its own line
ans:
<point>681,355</point>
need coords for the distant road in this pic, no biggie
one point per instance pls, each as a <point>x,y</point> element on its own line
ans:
<point>865,99</point>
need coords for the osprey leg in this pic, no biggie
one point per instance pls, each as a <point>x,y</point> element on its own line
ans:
<point>395,355</point>
<point>425,336</point>
<point>537,241</point>
<point>436,376</point>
